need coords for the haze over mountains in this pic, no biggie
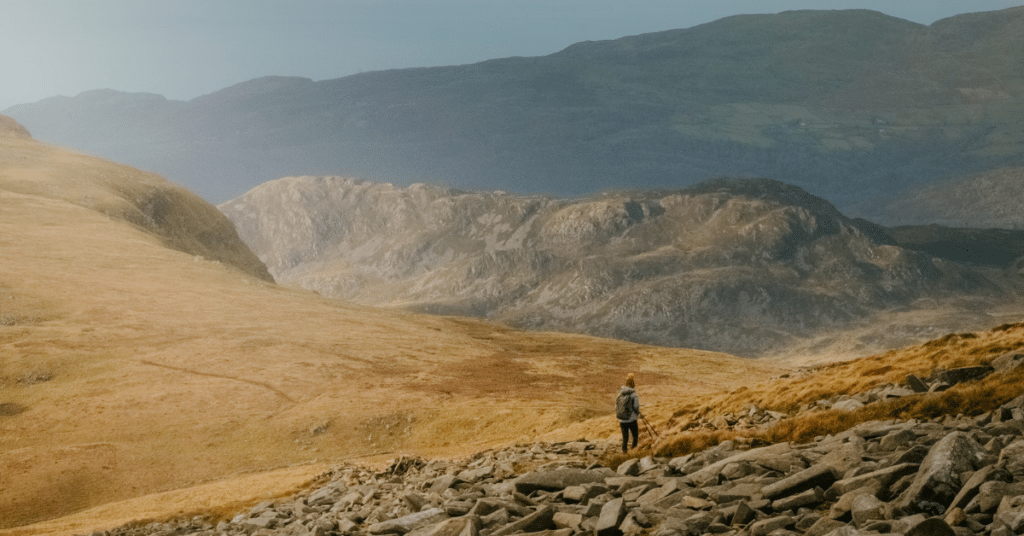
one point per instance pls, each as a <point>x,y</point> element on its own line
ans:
<point>146,346</point>
<point>854,106</point>
<point>748,267</point>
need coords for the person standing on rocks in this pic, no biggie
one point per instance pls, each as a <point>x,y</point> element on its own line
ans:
<point>627,410</point>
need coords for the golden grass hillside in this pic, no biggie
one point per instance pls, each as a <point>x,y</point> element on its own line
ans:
<point>794,394</point>
<point>148,367</point>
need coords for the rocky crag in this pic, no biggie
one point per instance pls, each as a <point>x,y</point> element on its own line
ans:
<point>749,267</point>
<point>954,475</point>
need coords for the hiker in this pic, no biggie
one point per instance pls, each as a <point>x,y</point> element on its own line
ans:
<point>627,409</point>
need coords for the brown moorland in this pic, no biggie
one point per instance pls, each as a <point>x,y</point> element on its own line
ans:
<point>149,367</point>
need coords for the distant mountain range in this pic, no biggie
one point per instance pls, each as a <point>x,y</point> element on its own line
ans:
<point>749,267</point>
<point>854,106</point>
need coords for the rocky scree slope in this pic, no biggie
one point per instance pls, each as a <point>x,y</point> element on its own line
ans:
<point>953,475</point>
<point>749,267</point>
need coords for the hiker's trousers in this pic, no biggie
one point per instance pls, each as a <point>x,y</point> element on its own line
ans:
<point>631,427</point>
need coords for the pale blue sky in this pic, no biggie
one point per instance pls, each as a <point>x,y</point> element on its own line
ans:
<point>186,48</point>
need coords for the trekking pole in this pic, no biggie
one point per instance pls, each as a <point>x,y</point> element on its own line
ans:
<point>651,430</point>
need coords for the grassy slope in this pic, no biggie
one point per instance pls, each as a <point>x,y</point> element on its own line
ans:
<point>792,392</point>
<point>130,368</point>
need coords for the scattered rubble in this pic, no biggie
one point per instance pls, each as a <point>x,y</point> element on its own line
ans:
<point>938,381</point>
<point>951,476</point>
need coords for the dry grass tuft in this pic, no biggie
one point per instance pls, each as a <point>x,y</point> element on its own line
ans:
<point>688,443</point>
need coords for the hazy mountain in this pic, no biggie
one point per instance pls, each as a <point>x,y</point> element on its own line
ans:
<point>997,248</point>
<point>750,267</point>
<point>854,106</point>
<point>989,199</point>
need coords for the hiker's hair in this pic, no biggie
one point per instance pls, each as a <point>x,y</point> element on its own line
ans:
<point>629,381</point>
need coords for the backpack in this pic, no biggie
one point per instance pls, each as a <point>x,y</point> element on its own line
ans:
<point>624,406</point>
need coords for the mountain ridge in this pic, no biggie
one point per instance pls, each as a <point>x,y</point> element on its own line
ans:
<point>854,106</point>
<point>749,267</point>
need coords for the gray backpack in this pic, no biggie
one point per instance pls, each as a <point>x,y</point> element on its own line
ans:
<point>624,406</point>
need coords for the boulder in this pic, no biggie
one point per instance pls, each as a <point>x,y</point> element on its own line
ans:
<point>612,515</point>
<point>938,480</point>
<point>783,464</point>
<point>699,522</point>
<point>824,526</point>
<point>880,479</point>
<point>1008,361</point>
<point>821,476</point>
<point>711,471</point>
<point>866,508</point>
<point>916,384</point>
<point>895,392</point>
<point>848,405</point>
<point>931,527</point>
<point>455,526</point>
<point>744,514</point>
<point>914,455</point>
<point>963,374</point>
<point>990,495</point>
<point>441,483</point>
<point>542,519</point>
<point>657,494</point>
<point>630,467</point>
<point>556,480</point>
<point>970,488</point>
<point>567,520</point>
<point>648,463</point>
<point>849,455</point>
<point>809,498</point>
<point>630,526</point>
<point>897,439</point>
<point>1011,513</point>
<point>1011,458</point>
<point>407,523</point>
<point>767,526</point>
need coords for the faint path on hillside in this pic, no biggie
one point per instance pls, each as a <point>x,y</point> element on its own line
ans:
<point>264,385</point>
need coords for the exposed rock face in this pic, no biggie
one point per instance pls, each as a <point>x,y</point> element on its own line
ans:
<point>697,494</point>
<point>745,266</point>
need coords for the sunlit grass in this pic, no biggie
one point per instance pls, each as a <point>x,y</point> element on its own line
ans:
<point>796,394</point>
